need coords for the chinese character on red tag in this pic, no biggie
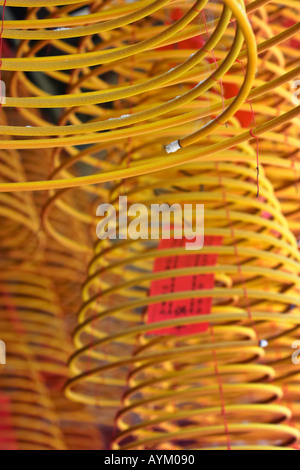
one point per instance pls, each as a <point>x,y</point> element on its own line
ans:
<point>184,307</point>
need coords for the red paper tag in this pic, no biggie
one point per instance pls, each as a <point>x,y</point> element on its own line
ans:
<point>185,307</point>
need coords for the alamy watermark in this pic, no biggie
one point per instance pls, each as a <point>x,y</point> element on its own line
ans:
<point>2,92</point>
<point>2,353</point>
<point>296,354</point>
<point>154,222</point>
<point>296,95</point>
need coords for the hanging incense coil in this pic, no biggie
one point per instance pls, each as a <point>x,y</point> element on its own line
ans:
<point>32,419</point>
<point>171,403</point>
<point>268,47</point>
<point>19,223</point>
<point>278,152</point>
<point>30,308</point>
<point>78,425</point>
<point>61,270</point>
<point>112,328</point>
<point>28,419</point>
<point>103,155</point>
<point>256,289</point>
<point>36,416</point>
<point>185,71</point>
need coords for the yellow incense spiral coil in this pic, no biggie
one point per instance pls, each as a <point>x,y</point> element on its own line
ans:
<point>128,73</point>
<point>135,78</point>
<point>112,339</point>
<point>155,99</point>
<point>65,268</point>
<point>19,224</point>
<point>36,415</point>
<point>190,416</point>
<point>33,419</point>
<point>104,155</point>
<point>60,262</point>
<point>78,425</point>
<point>30,308</point>
<point>278,152</point>
<point>28,419</point>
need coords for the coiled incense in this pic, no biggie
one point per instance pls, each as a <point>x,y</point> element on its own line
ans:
<point>28,419</point>
<point>261,110</point>
<point>166,114</point>
<point>19,224</point>
<point>30,308</point>
<point>78,424</point>
<point>31,419</point>
<point>256,281</point>
<point>168,102</point>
